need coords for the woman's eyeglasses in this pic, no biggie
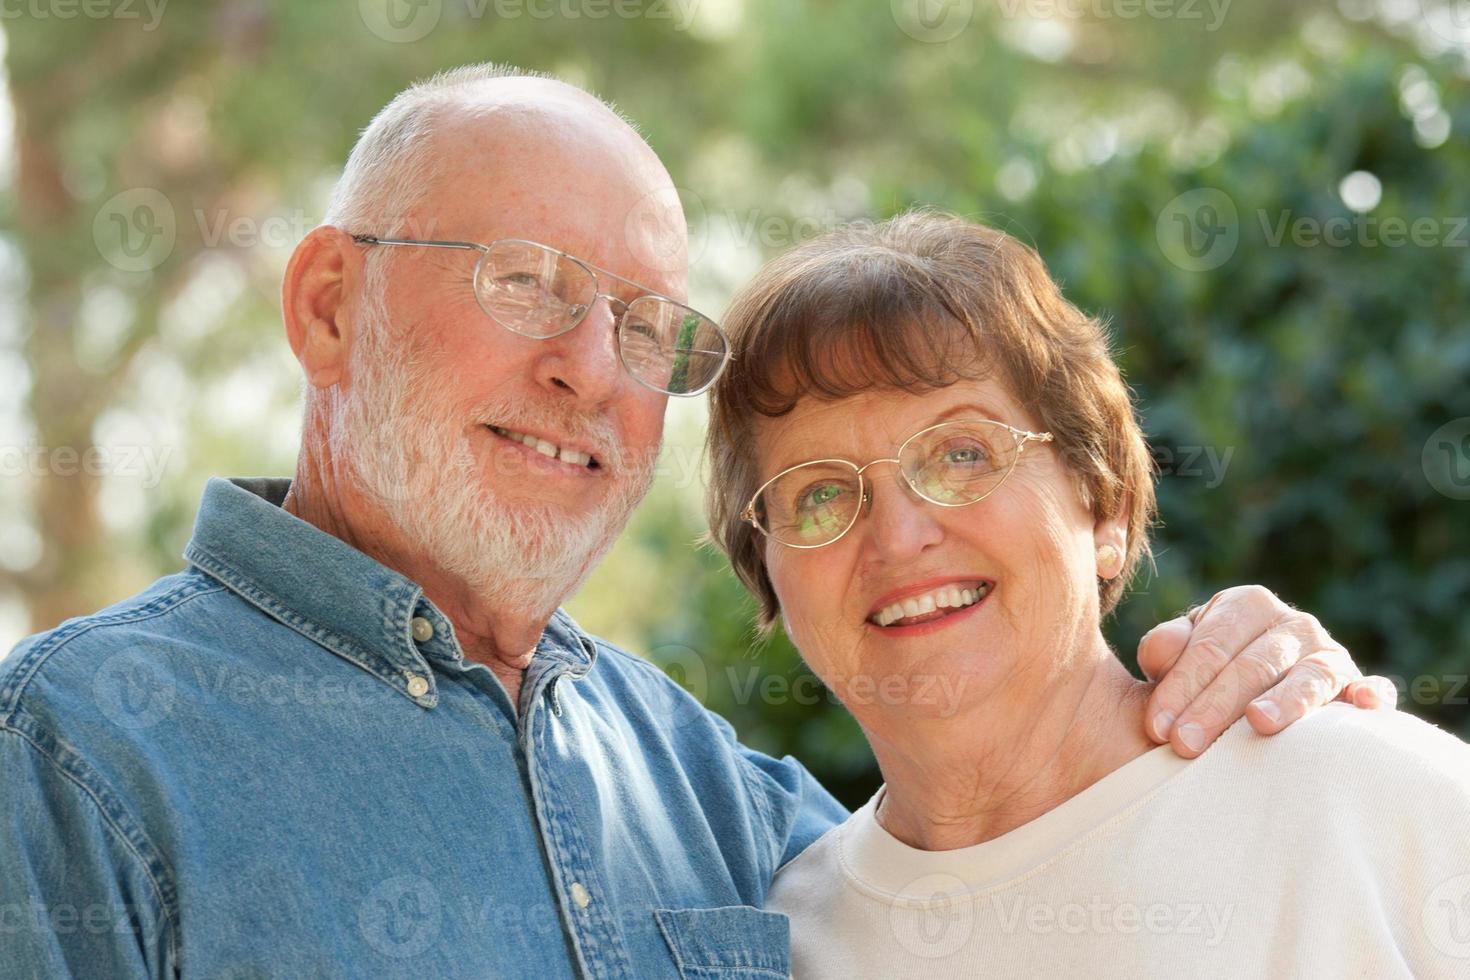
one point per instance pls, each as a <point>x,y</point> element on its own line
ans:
<point>952,464</point>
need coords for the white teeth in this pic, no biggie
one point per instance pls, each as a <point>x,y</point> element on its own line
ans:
<point>548,449</point>
<point>944,597</point>
<point>573,457</point>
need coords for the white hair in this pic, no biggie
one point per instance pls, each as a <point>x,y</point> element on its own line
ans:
<point>392,165</point>
<point>391,431</point>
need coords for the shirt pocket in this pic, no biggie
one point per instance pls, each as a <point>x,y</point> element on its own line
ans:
<point>739,942</point>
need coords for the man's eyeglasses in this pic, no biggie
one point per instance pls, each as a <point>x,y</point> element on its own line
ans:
<point>537,291</point>
<point>952,464</point>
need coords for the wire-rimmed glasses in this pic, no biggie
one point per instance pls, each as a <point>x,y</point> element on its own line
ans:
<point>538,291</point>
<point>952,464</point>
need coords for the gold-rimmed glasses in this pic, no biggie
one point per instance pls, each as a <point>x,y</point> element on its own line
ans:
<point>952,464</point>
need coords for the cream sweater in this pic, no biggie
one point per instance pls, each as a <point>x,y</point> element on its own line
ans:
<point>1338,848</point>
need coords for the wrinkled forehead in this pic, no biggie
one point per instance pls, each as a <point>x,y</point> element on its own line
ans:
<point>873,424</point>
<point>564,171</point>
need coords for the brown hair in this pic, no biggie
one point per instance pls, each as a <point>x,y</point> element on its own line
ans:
<point>916,303</point>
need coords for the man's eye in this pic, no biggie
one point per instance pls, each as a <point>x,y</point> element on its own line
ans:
<point>523,280</point>
<point>641,327</point>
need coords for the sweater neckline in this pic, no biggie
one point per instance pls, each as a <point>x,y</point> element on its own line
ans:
<point>880,863</point>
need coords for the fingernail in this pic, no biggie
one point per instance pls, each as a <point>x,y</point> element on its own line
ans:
<point>1192,736</point>
<point>1163,721</point>
<point>1268,708</point>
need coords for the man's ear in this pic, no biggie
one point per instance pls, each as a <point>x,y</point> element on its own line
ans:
<point>322,279</point>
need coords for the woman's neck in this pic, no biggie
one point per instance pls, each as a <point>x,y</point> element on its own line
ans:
<point>964,780</point>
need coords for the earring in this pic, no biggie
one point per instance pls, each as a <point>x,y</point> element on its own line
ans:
<point>1107,557</point>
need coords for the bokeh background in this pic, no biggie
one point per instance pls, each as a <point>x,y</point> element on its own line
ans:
<point>1268,200</point>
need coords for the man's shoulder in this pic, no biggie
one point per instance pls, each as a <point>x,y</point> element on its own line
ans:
<point>637,684</point>
<point>67,663</point>
<point>617,666</point>
<point>814,884</point>
<point>626,663</point>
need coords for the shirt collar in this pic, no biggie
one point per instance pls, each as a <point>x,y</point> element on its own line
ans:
<point>330,592</point>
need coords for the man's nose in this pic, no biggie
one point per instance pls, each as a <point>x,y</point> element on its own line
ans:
<point>900,525</point>
<point>584,361</point>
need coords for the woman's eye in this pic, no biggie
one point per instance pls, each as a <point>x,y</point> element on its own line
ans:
<point>819,496</point>
<point>966,456</point>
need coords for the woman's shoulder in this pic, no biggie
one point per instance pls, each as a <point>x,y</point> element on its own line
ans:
<point>1342,750</point>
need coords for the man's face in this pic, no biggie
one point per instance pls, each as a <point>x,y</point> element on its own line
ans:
<point>467,392</point>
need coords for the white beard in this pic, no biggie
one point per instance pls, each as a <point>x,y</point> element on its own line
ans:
<point>406,450</point>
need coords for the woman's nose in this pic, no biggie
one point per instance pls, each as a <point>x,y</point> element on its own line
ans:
<point>900,525</point>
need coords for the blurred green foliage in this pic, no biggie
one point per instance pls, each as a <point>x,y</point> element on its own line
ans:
<point>1290,389</point>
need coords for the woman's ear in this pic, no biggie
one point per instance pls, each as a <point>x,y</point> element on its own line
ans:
<point>324,271</point>
<point>1110,544</point>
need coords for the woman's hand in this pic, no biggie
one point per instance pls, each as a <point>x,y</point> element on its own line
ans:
<point>1246,652</point>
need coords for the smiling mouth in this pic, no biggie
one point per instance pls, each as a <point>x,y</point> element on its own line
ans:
<point>936,603</point>
<point>548,449</point>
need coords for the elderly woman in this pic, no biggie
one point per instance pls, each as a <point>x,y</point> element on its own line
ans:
<point>927,465</point>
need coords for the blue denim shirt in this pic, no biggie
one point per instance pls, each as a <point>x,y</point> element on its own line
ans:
<point>279,763</point>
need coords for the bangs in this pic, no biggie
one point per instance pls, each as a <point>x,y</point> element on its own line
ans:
<point>917,303</point>
<point>856,323</point>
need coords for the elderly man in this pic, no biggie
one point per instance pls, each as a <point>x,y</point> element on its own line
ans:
<point>356,737</point>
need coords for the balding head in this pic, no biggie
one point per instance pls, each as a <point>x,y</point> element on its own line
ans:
<point>487,128</point>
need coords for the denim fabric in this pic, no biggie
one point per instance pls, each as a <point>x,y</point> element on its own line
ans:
<point>254,769</point>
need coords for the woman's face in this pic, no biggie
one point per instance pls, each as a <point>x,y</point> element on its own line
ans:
<point>1029,548</point>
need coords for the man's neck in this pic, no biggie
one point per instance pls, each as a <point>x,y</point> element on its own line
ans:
<point>502,640</point>
<point>969,779</point>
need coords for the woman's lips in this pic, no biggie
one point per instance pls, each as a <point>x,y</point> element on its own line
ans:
<point>930,623</point>
<point>922,599</point>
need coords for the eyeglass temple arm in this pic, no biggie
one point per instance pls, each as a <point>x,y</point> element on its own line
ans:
<point>1029,437</point>
<point>375,240</point>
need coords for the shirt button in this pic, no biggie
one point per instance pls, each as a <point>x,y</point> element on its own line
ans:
<point>580,895</point>
<point>423,630</point>
<point>417,686</point>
